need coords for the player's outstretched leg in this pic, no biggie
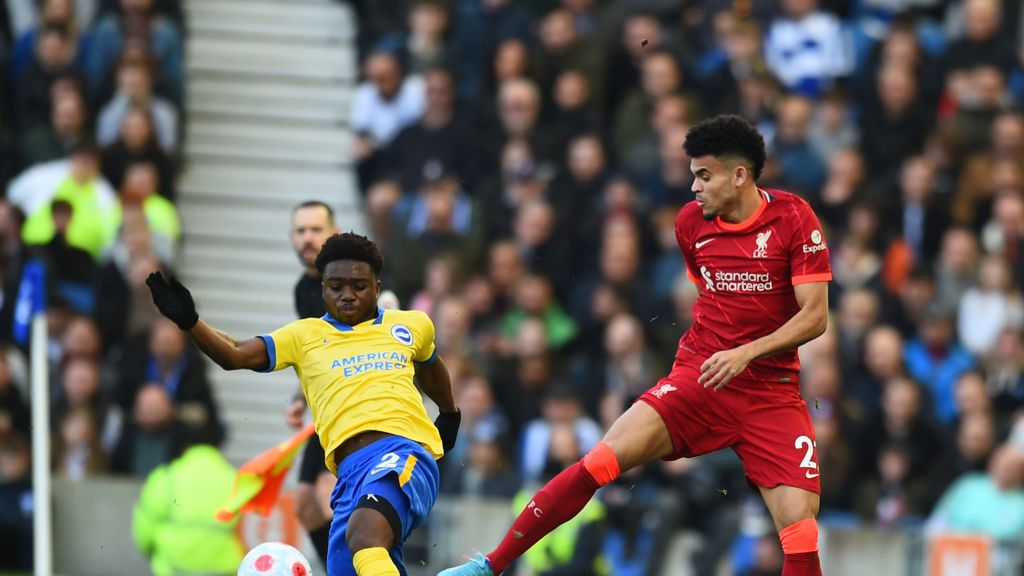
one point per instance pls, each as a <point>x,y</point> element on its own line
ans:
<point>637,437</point>
<point>793,510</point>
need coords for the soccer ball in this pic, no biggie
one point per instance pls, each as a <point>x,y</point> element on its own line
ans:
<point>274,559</point>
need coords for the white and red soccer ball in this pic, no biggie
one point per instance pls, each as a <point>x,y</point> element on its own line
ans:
<point>274,559</point>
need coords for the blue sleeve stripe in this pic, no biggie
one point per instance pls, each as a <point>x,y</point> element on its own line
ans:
<point>271,352</point>
<point>430,361</point>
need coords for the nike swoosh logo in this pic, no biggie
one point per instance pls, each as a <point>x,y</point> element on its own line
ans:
<point>699,244</point>
<point>812,475</point>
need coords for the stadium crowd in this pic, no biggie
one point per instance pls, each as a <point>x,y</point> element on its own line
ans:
<point>91,101</point>
<point>522,168</point>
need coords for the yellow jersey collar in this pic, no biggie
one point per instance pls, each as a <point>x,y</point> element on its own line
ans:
<point>341,326</point>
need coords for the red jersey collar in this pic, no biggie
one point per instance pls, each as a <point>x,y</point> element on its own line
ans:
<point>750,219</point>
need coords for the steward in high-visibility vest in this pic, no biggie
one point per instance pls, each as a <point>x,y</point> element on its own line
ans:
<point>174,523</point>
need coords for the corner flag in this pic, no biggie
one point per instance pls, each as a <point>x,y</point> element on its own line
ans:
<point>31,299</point>
<point>259,480</point>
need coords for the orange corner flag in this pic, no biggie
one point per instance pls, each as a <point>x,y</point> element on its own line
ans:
<point>259,480</point>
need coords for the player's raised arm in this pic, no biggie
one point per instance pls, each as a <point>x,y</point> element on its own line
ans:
<point>175,302</point>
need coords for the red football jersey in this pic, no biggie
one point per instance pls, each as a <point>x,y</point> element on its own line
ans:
<point>745,273</point>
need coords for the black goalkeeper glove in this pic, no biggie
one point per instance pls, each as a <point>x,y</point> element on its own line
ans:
<point>447,424</point>
<point>173,300</point>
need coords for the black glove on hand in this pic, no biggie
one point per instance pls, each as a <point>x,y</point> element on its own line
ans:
<point>173,300</point>
<point>448,426</point>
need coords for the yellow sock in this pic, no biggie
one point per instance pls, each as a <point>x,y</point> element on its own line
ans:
<point>374,562</point>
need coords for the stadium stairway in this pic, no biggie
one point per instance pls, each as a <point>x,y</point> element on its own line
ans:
<point>269,84</point>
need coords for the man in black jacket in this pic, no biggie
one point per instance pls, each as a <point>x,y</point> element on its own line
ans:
<point>312,224</point>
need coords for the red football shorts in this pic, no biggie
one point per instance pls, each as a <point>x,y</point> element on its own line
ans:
<point>765,423</point>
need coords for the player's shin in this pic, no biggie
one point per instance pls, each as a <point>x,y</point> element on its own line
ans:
<point>557,502</point>
<point>374,562</point>
<point>800,545</point>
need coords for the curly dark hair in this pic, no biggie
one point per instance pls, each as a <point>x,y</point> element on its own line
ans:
<point>727,135</point>
<point>350,246</point>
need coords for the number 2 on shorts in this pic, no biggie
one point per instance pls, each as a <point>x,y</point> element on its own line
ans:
<point>387,462</point>
<point>805,442</point>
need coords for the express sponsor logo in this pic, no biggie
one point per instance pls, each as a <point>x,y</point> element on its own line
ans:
<point>818,244</point>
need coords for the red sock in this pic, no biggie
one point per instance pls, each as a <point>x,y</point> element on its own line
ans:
<point>801,564</point>
<point>558,501</point>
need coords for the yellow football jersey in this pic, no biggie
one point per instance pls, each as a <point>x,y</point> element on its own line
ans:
<point>360,378</point>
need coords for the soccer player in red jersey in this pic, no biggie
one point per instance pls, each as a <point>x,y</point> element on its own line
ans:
<point>762,268</point>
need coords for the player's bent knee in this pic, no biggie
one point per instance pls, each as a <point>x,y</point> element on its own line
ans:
<point>382,529</point>
<point>601,464</point>
<point>800,537</point>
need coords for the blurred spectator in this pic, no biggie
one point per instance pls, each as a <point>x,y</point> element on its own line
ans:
<point>1004,375</point>
<point>166,358</point>
<point>139,23</point>
<point>984,170</point>
<point>480,416</point>
<point>486,471</point>
<point>77,181</point>
<point>561,49</point>
<point>982,42</point>
<point>68,125</point>
<point>903,421</point>
<point>893,126</point>
<point>173,522</point>
<point>922,217</point>
<point>741,47</point>
<point>937,360</point>
<point>439,135</point>
<point>151,437</point>
<point>989,504</point>
<point>13,255</point>
<point>80,387</point>
<point>16,504</point>
<point>980,100</point>
<point>135,91</point>
<point>894,497</point>
<point>669,182</point>
<point>844,184</point>
<point>71,270</point>
<point>661,76</point>
<point>883,362</point>
<point>77,454</point>
<point>808,48</point>
<point>573,112</point>
<point>140,190</point>
<point>955,268</point>
<point>630,367</point>
<point>972,397</point>
<point>519,106</point>
<point>988,308</point>
<point>439,281</point>
<point>480,27</point>
<point>137,143</point>
<point>561,408</point>
<point>14,410</point>
<point>437,220</point>
<point>524,373</point>
<point>127,309</point>
<point>425,44</point>
<point>801,170</point>
<point>384,103</point>
<point>1004,234</point>
<point>54,60</point>
<point>542,244</point>
<point>70,15</point>
<point>832,128</point>
<point>858,313</point>
<point>534,299</point>
<point>975,442</point>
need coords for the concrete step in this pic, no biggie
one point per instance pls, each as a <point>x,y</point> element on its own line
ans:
<point>239,133</point>
<point>294,115</point>
<point>297,23</point>
<point>232,57</point>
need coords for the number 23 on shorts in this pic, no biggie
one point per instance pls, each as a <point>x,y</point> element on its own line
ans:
<point>805,443</point>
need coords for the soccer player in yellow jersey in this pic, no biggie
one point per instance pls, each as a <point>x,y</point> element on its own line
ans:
<point>356,365</point>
